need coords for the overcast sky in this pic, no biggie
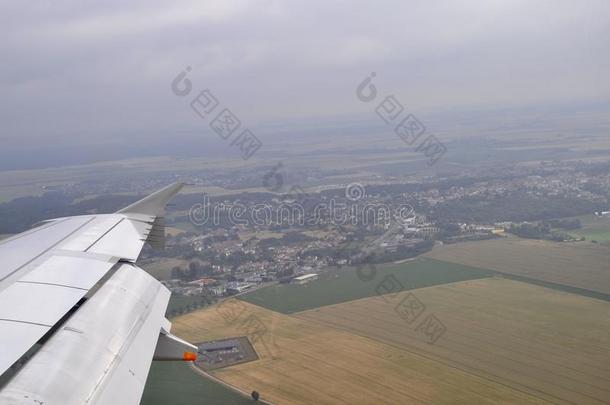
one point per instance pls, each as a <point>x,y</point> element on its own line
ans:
<point>89,73</point>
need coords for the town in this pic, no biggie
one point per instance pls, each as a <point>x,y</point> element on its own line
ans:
<point>283,239</point>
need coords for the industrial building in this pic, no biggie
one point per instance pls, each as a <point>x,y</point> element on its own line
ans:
<point>304,279</point>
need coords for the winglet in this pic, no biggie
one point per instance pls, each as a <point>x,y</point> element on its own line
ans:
<point>155,203</point>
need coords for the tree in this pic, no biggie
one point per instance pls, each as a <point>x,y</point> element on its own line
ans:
<point>177,273</point>
<point>255,395</point>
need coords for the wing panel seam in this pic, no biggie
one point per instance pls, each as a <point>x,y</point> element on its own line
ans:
<point>52,284</point>
<point>47,250</point>
<point>26,322</point>
<point>105,233</point>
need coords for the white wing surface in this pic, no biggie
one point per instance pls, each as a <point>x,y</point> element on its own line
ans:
<point>71,293</point>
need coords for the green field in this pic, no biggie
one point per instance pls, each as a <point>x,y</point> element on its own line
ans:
<point>594,228</point>
<point>598,235</point>
<point>161,267</point>
<point>181,302</point>
<point>176,384</point>
<point>347,284</point>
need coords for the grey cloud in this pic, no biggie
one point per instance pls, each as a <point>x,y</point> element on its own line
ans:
<point>77,72</point>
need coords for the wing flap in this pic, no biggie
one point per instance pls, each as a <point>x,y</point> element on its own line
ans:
<point>102,354</point>
<point>42,297</point>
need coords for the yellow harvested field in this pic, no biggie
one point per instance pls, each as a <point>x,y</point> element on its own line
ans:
<point>581,264</point>
<point>550,344</point>
<point>505,342</point>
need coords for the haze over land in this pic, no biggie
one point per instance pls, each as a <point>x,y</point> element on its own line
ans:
<point>424,216</point>
<point>83,84</point>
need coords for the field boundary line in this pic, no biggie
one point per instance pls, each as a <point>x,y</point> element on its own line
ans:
<point>226,384</point>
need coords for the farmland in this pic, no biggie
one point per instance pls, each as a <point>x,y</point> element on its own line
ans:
<point>505,341</point>
<point>582,264</point>
<point>306,361</point>
<point>594,228</point>
<point>161,268</point>
<point>552,345</point>
<point>349,284</point>
<point>176,384</point>
<point>183,303</point>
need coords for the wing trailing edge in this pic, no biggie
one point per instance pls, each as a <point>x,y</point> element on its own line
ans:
<point>102,354</point>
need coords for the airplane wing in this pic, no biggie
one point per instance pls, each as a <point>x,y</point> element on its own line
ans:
<point>79,322</point>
